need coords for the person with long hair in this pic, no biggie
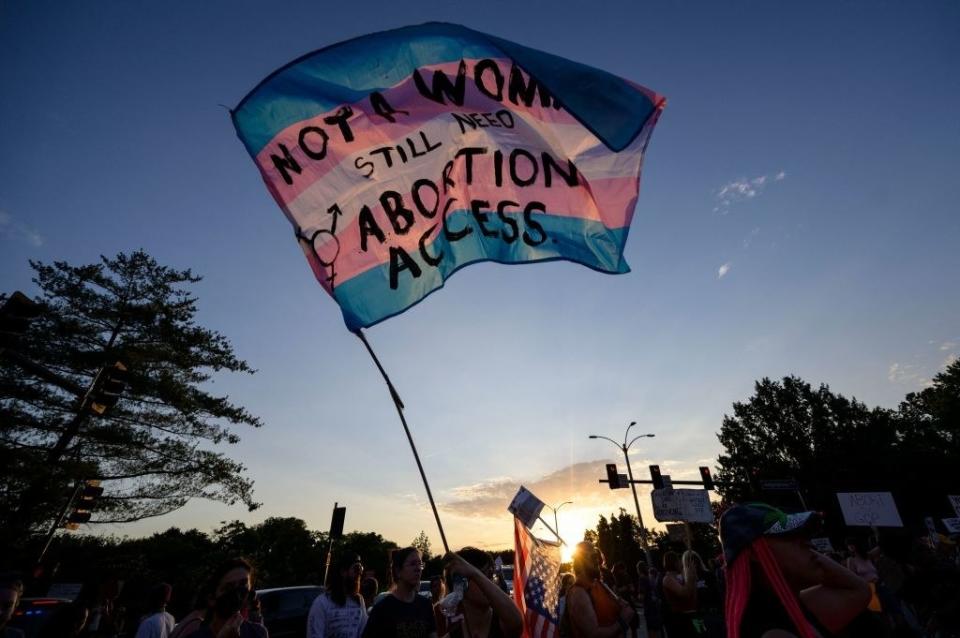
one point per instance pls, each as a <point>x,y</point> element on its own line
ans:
<point>679,586</point>
<point>341,611</point>
<point>592,609</point>
<point>486,610</point>
<point>403,613</point>
<point>777,585</point>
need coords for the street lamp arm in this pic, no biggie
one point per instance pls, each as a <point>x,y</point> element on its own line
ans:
<point>607,438</point>
<point>639,436</point>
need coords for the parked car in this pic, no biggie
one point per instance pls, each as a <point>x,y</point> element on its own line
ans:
<point>424,589</point>
<point>285,609</point>
<point>32,613</point>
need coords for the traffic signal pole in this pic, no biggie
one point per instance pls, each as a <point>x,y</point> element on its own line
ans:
<point>636,501</point>
<point>59,520</point>
<point>625,448</point>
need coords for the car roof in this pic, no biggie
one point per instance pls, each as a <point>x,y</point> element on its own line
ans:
<point>272,590</point>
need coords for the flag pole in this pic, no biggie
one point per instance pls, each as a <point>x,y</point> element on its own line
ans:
<point>562,542</point>
<point>399,405</point>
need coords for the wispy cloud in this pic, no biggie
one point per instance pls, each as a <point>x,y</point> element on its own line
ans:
<point>947,345</point>
<point>489,499</point>
<point>14,230</point>
<point>723,270</point>
<point>906,373</point>
<point>750,237</point>
<point>744,189</point>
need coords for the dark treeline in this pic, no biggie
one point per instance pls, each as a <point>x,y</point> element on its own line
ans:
<point>828,443</point>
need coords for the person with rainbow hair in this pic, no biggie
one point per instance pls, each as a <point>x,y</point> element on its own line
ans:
<point>777,585</point>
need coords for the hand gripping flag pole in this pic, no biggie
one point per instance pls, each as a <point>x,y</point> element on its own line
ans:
<point>398,402</point>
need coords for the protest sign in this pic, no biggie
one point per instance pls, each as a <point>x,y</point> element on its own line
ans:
<point>526,506</point>
<point>400,157</point>
<point>822,545</point>
<point>952,525</point>
<point>871,509</point>
<point>691,506</point>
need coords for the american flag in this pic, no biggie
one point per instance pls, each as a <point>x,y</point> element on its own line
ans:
<point>536,586</point>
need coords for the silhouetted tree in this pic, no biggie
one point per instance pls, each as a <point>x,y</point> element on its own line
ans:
<point>154,450</point>
<point>830,444</point>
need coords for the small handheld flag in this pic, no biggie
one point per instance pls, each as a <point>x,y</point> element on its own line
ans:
<point>536,584</point>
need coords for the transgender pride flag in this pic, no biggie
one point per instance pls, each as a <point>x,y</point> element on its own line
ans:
<point>400,157</point>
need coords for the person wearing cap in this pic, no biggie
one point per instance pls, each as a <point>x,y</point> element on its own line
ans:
<point>777,585</point>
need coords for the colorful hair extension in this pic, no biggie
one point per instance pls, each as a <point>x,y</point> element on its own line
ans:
<point>739,576</point>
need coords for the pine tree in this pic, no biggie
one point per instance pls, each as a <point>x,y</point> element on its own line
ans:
<point>157,447</point>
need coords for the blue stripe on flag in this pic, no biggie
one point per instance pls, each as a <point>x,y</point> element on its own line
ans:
<point>347,72</point>
<point>366,299</point>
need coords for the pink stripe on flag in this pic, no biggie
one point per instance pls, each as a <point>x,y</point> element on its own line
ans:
<point>369,129</point>
<point>610,202</point>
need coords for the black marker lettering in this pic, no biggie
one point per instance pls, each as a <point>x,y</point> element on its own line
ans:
<point>401,217</point>
<point>427,257</point>
<point>508,221</point>
<point>399,261</point>
<point>533,224</point>
<point>284,163</point>
<point>368,226</point>
<point>442,86</point>
<point>476,207</point>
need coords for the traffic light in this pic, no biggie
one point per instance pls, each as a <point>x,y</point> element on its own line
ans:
<point>83,504</point>
<point>706,478</point>
<point>613,479</point>
<point>15,317</point>
<point>108,387</point>
<point>656,477</point>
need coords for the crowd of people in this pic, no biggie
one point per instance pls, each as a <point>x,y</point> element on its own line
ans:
<point>769,582</point>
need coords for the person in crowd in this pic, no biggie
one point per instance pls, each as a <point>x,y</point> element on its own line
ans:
<point>438,589</point>
<point>647,594</point>
<point>159,623</point>
<point>68,621</point>
<point>566,582</point>
<point>777,585</point>
<point>679,594</point>
<point>340,612</point>
<point>403,613</point>
<point>859,562</point>
<point>626,589</point>
<point>105,617</point>
<point>369,588</point>
<point>11,589</point>
<point>486,610</point>
<point>229,585</point>
<point>192,621</point>
<point>623,584</point>
<point>592,609</point>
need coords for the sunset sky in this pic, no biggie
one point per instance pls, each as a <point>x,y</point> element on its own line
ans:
<point>797,215</point>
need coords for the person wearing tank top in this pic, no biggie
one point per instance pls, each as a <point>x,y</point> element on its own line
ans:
<point>592,609</point>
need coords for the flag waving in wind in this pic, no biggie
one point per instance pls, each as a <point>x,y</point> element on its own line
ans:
<point>536,582</point>
<point>400,157</point>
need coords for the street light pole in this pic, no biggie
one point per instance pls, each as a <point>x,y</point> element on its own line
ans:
<point>625,448</point>
<point>556,524</point>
